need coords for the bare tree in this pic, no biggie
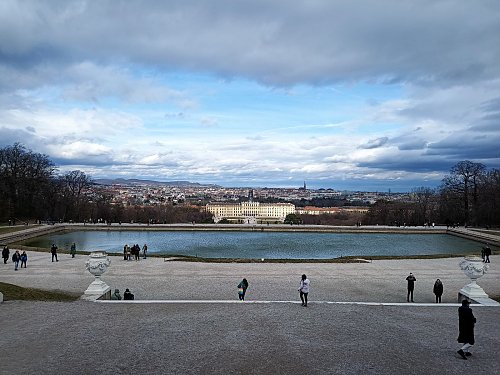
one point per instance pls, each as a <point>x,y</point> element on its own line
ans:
<point>73,184</point>
<point>425,204</point>
<point>24,177</point>
<point>464,182</point>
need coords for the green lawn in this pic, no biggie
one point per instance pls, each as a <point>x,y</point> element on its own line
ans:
<point>11,229</point>
<point>13,292</point>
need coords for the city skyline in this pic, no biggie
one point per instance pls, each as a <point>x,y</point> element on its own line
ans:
<point>358,96</point>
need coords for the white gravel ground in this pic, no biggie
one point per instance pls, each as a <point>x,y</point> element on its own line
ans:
<point>221,338</point>
<point>153,278</point>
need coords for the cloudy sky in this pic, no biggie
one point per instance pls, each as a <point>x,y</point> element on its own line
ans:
<point>359,95</point>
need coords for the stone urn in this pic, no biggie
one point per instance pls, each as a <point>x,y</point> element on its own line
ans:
<point>97,264</point>
<point>474,268</point>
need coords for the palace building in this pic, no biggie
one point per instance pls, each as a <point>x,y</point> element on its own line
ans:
<point>251,212</point>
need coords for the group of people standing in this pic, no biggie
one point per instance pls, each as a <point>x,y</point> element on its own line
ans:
<point>485,253</point>
<point>54,248</point>
<point>135,251</point>
<point>437,289</point>
<point>22,258</point>
<point>466,319</point>
<point>16,258</point>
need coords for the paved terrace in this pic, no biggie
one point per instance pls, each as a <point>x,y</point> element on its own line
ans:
<point>246,338</point>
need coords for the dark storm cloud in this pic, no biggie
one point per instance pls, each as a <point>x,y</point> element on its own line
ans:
<point>415,144</point>
<point>10,136</point>
<point>278,42</point>
<point>490,120</point>
<point>88,161</point>
<point>411,163</point>
<point>374,143</point>
<point>481,147</point>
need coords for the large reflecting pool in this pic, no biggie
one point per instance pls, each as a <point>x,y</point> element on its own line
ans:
<point>270,245</point>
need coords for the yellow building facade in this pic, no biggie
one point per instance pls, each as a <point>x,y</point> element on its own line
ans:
<point>250,212</point>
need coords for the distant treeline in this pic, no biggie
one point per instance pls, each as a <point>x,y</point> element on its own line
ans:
<point>469,195</point>
<point>31,189</point>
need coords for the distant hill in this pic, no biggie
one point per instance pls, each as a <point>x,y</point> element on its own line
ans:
<point>135,181</point>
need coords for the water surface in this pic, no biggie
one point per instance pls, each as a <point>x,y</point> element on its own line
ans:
<point>256,245</point>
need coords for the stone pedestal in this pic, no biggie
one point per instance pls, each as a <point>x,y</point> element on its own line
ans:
<point>474,268</point>
<point>97,264</point>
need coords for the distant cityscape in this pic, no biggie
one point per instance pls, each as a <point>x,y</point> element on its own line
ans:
<point>146,192</point>
<point>241,205</point>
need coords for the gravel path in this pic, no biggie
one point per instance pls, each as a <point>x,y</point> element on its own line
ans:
<point>90,338</point>
<point>220,338</point>
<point>153,278</point>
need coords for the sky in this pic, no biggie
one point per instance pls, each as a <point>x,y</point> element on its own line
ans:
<point>349,95</point>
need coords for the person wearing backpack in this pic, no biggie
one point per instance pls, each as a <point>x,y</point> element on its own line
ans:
<point>242,289</point>
<point>16,257</point>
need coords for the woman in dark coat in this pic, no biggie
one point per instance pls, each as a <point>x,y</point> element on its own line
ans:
<point>128,295</point>
<point>5,254</point>
<point>466,321</point>
<point>242,289</point>
<point>438,290</point>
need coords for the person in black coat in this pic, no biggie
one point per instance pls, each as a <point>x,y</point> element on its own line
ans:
<point>411,285</point>
<point>242,289</point>
<point>487,253</point>
<point>438,290</point>
<point>466,321</point>
<point>128,295</point>
<point>16,257</point>
<point>53,251</point>
<point>5,254</point>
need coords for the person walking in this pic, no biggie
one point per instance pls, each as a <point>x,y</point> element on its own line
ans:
<point>242,289</point>
<point>5,254</point>
<point>466,322</point>
<point>72,250</point>
<point>304,289</point>
<point>438,290</point>
<point>411,285</point>
<point>53,250</point>
<point>24,259</point>
<point>487,253</point>
<point>16,257</point>
<point>145,251</point>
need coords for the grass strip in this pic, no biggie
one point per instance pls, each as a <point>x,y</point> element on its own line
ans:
<point>346,259</point>
<point>12,229</point>
<point>16,293</point>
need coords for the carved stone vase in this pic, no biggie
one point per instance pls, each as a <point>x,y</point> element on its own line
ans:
<point>474,268</point>
<point>97,264</point>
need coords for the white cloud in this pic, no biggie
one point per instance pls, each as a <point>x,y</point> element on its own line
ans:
<point>170,88</point>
